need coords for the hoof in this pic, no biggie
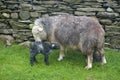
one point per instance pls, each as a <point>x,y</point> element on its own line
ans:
<point>103,63</point>
<point>60,59</point>
<point>88,67</point>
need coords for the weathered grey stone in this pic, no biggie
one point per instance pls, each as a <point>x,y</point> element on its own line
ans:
<point>84,13</point>
<point>28,0</point>
<point>90,9</point>
<point>109,9</point>
<point>38,8</point>
<point>107,15</point>
<point>100,0</point>
<point>34,14</point>
<point>59,13</point>
<point>117,9</point>
<point>25,21</point>
<point>6,31</point>
<point>24,15</point>
<point>17,25</point>
<point>92,4</point>
<point>112,28</point>
<point>45,15</point>
<point>13,7</point>
<point>11,2</point>
<point>3,25</point>
<point>1,4</point>
<point>78,6</point>
<point>106,21</point>
<point>117,23</point>
<point>64,7</point>
<point>47,6</point>
<point>46,2</point>
<point>14,15</point>
<point>6,15</point>
<point>5,11</point>
<point>26,43</point>
<point>3,7</point>
<point>26,7</point>
<point>73,1</point>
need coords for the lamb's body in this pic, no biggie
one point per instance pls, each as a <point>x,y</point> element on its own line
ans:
<point>84,33</point>
<point>39,47</point>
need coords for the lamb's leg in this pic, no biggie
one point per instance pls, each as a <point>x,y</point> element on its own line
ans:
<point>46,59</point>
<point>35,59</point>
<point>89,60</point>
<point>61,55</point>
<point>32,58</point>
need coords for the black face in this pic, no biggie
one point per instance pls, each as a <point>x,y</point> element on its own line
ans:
<point>55,45</point>
<point>45,47</point>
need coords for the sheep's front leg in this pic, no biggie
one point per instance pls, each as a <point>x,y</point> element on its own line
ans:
<point>61,55</point>
<point>89,61</point>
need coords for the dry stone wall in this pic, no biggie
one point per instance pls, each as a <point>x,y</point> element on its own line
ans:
<point>17,15</point>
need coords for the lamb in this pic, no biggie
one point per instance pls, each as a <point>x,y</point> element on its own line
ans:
<point>44,48</point>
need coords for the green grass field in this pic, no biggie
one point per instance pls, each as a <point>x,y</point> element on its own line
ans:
<point>14,65</point>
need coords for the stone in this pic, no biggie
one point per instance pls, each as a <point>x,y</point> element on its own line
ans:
<point>26,6</point>
<point>114,28</point>
<point>25,21</point>
<point>6,31</point>
<point>73,1</point>
<point>109,9</point>
<point>38,8</point>
<point>117,9</point>
<point>91,9</point>
<point>31,26</point>
<point>6,15</point>
<point>34,14</point>
<point>117,23</point>
<point>106,21</point>
<point>45,15</point>
<point>18,25</point>
<point>13,7</point>
<point>26,43</point>
<point>14,15</point>
<point>5,11</point>
<point>107,15</point>
<point>3,25</point>
<point>1,4</point>
<point>100,0</point>
<point>78,13</point>
<point>24,15</point>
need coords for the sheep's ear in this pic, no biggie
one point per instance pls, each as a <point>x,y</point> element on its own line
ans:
<point>40,28</point>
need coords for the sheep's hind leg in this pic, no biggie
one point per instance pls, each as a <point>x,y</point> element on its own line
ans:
<point>61,55</point>
<point>103,56</point>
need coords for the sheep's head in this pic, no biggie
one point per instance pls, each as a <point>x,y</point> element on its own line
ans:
<point>38,31</point>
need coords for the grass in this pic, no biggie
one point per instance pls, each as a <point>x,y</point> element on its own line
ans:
<point>14,65</point>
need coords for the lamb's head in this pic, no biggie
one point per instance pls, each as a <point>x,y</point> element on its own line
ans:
<point>55,45</point>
